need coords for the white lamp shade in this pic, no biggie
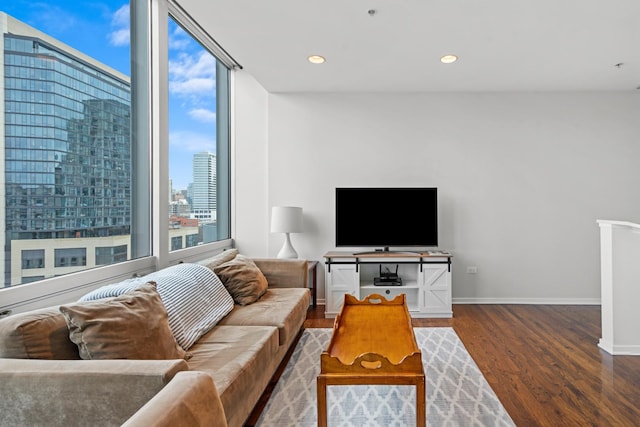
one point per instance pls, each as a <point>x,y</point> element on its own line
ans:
<point>286,219</point>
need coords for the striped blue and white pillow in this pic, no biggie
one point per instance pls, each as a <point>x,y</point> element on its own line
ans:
<point>194,297</point>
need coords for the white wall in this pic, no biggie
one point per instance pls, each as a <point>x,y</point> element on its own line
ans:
<point>250,202</point>
<point>522,178</point>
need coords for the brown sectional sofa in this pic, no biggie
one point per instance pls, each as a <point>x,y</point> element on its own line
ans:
<point>228,369</point>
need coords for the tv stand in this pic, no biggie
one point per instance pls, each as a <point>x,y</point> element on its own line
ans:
<point>424,278</point>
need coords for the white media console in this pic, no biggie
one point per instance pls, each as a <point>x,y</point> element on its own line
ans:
<point>425,276</point>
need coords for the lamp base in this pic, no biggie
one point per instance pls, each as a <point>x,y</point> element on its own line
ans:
<point>287,251</point>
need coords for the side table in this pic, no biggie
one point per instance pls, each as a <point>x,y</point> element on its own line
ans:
<point>312,267</point>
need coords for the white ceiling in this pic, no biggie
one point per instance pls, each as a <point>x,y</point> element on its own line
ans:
<point>503,45</point>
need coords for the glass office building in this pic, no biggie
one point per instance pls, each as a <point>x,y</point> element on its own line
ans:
<point>67,156</point>
<point>203,189</point>
<point>204,181</point>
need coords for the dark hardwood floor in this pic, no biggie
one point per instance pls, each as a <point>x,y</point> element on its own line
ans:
<point>543,363</point>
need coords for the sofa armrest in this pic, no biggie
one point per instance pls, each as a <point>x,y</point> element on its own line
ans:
<point>189,400</point>
<point>284,273</point>
<point>73,392</point>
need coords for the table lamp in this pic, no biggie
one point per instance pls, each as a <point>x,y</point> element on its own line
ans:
<point>286,219</point>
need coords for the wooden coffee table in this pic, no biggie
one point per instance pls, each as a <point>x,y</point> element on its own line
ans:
<point>372,344</point>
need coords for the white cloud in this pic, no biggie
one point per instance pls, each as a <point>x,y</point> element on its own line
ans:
<point>203,115</point>
<point>192,74</point>
<point>179,31</point>
<point>119,37</point>
<point>189,66</point>
<point>121,17</point>
<point>179,39</point>
<point>192,86</point>
<point>178,43</point>
<point>192,141</point>
<point>120,22</point>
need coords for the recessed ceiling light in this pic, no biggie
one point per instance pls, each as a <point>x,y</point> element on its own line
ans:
<point>316,59</point>
<point>448,59</point>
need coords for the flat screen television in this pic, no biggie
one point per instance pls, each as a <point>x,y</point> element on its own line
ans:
<point>386,217</point>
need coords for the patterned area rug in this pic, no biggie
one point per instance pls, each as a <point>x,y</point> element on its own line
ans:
<point>457,393</point>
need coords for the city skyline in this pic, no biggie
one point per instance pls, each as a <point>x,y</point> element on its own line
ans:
<point>192,78</point>
<point>67,145</point>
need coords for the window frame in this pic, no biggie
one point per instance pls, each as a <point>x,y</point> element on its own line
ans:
<point>161,208</point>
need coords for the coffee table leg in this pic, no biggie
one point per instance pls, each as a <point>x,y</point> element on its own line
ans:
<point>321,391</point>
<point>421,412</point>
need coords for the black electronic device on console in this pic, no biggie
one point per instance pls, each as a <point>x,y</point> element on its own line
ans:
<point>388,278</point>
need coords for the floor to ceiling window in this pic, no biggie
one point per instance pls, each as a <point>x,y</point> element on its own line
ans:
<point>66,137</point>
<point>198,137</point>
<point>77,144</point>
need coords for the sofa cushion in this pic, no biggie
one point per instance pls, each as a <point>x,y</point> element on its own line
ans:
<point>134,325</point>
<point>240,360</point>
<point>193,295</point>
<point>285,309</point>
<point>37,334</point>
<point>243,279</point>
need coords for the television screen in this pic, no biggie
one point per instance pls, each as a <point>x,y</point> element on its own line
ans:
<point>386,217</point>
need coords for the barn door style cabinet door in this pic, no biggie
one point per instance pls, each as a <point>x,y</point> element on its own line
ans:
<point>436,290</point>
<point>344,280</point>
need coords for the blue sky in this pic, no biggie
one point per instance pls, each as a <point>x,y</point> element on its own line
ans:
<point>100,29</point>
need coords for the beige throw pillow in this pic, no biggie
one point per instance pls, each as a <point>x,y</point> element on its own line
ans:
<point>221,258</point>
<point>243,279</point>
<point>133,325</point>
<point>37,334</point>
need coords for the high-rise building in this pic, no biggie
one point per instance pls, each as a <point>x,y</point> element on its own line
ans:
<point>203,188</point>
<point>65,160</point>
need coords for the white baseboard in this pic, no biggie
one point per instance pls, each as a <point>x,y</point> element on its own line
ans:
<point>532,301</point>
<point>619,350</point>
